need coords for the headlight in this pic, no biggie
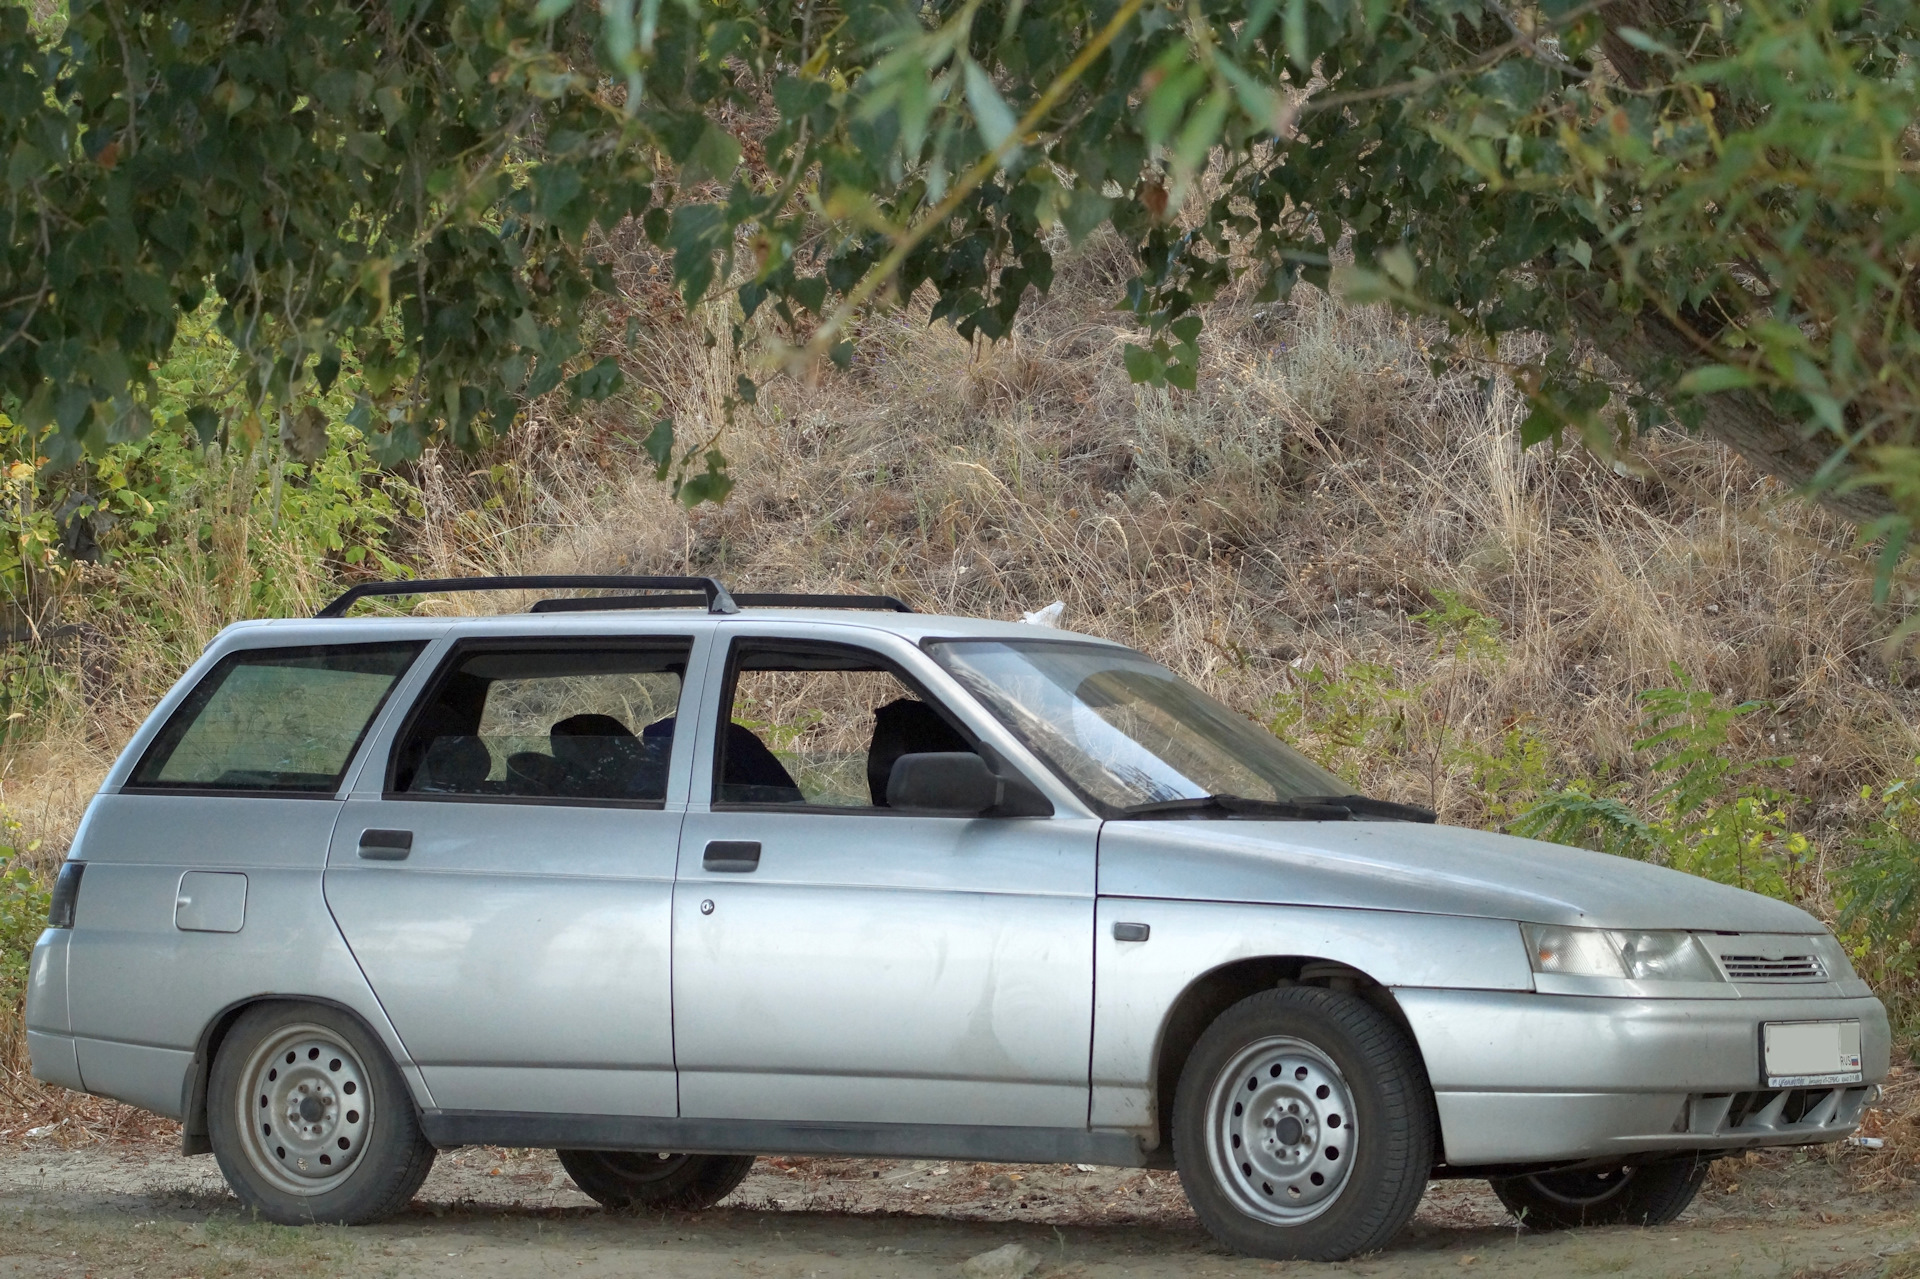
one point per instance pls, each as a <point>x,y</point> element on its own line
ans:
<point>1632,956</point>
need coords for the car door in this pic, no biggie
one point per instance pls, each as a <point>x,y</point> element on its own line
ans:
<point>836,960</point>
<point>506,880</point>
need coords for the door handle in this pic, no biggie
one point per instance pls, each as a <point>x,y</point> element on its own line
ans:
<point>736,855</point>
<point>386,845</point>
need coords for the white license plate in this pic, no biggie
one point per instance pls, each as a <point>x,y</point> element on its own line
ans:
<point>1802,1054</point>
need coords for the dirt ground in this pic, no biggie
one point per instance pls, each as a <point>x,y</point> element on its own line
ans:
<point>143,1210</point>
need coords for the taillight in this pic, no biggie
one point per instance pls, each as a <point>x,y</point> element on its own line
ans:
<point>66,895</point>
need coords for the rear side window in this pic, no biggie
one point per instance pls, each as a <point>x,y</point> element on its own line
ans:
<point>284,720</point>
<point>581,723</point>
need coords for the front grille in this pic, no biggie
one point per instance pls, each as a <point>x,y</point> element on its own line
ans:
<point>1760,968</point>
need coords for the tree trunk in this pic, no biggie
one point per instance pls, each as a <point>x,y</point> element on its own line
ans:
<point>1778,446</point>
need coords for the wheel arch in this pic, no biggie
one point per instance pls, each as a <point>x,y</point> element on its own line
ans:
<point>1218,989</point>
<point>194,1138</point>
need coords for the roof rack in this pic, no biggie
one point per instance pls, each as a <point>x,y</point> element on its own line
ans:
<point>745,599</point>
<point>712,596</point>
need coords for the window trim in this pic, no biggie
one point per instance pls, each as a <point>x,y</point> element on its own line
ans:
<point>723,716</point>
<point>461,649</point>
<point>186,706</point>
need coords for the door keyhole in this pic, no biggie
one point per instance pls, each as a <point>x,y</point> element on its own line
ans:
<point>706,907</point>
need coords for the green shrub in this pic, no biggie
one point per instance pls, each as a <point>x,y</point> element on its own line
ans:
<point>1713,815</point>
<point>23,913</point>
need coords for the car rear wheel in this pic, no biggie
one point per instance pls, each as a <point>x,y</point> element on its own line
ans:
<point>309,1119</point>
<point>1625,1195</point>
<point>1303,1128</point>
<point>629,1179</point>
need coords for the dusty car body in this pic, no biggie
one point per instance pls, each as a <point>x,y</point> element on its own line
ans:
<point>410,905</point>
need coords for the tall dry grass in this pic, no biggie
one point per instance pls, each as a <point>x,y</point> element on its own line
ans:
<point>1319,491</point>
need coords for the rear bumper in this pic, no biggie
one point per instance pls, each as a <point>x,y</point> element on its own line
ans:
<point>1522,1077</point>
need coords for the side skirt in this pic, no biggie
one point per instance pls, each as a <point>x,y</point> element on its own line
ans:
<point>449,1128</point>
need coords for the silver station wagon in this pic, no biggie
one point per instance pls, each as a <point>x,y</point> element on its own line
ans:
<point>668,879</point>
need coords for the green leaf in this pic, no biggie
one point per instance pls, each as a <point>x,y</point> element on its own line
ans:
<point>715,155</point>
<point>1085,209</point>
<point>1142,365</point>
<point>1295,26</point>
<point>1399,264</point>
<point>990,110</point>
<point>744,388</point>
<point>1202,129</point>
<point>711,485</point>
<point>659,446</point>
<point>1717,377</point>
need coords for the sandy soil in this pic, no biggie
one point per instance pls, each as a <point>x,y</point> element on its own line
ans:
<point>146,1211</point>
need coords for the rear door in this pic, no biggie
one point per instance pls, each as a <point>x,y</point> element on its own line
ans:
<point>506,880</point>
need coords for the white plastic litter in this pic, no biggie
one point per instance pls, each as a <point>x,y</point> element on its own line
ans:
<point>1869,1143</point>
<point>1048,616</point>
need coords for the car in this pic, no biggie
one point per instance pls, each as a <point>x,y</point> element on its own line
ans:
<point>668,879</point>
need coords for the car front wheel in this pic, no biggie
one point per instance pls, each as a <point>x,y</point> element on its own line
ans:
<point>1627,1195</point>
<point>309,1119</point>
<point>1303,1127</point>
<point>630,1179</point>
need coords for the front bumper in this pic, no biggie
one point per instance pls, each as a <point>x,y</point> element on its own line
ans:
<point>1523,1078</point>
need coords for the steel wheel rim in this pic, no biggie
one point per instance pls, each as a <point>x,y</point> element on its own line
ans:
<point>305,1112</point>
<point>642,1167</point>
<point>1280,1130</point>
<point>1605,1183</point>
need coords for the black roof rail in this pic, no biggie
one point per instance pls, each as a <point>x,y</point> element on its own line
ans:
<point>712,594</point>
<point>745,599</point>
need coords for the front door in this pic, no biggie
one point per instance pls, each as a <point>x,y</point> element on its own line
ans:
<point>838,961</point>
<point>506,883</point>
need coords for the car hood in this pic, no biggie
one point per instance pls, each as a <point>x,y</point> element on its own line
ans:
<point>1445,870</point>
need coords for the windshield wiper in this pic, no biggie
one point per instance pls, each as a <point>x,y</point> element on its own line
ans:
<point>1241,806</point>
<point>1365,807</point>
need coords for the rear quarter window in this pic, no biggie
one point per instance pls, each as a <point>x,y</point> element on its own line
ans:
<point>279,720</point>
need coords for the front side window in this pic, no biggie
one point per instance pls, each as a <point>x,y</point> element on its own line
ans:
<point>820,727</point>
<point>1125,730</point>
<point>284,720</point>
<point>558,724</point>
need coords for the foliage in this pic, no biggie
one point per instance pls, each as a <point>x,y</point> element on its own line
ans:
<point>1348,717</point>
<point>1880,886</point>
<point>1723,200</point>
<point>166,526</point>
<point>23,913</point>
<point>1712,816</point>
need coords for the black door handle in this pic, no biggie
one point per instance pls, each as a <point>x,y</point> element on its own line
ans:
<point>736,855</point>
<point>386,845</point>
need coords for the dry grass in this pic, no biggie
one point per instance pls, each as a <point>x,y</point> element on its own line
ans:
<point>1297,512</point>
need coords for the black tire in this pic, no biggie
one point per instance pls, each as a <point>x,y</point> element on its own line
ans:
<point>1639,1195</point>
<point>627,1180</point>
<point>353,1155</point>
<point>1308,1056</point>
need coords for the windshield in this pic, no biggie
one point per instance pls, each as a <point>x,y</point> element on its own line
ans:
<point>1125,730</point>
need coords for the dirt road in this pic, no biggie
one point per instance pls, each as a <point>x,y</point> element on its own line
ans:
<point>106,1212</point>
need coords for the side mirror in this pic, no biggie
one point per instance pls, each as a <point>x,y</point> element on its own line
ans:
<point>956,782</point>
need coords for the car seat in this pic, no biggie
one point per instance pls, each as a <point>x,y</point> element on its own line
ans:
<point>906,726</point>
<point>602,759</point>
<point>454,765</point>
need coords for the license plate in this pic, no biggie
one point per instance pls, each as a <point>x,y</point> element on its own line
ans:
<point>1802,1054</point>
